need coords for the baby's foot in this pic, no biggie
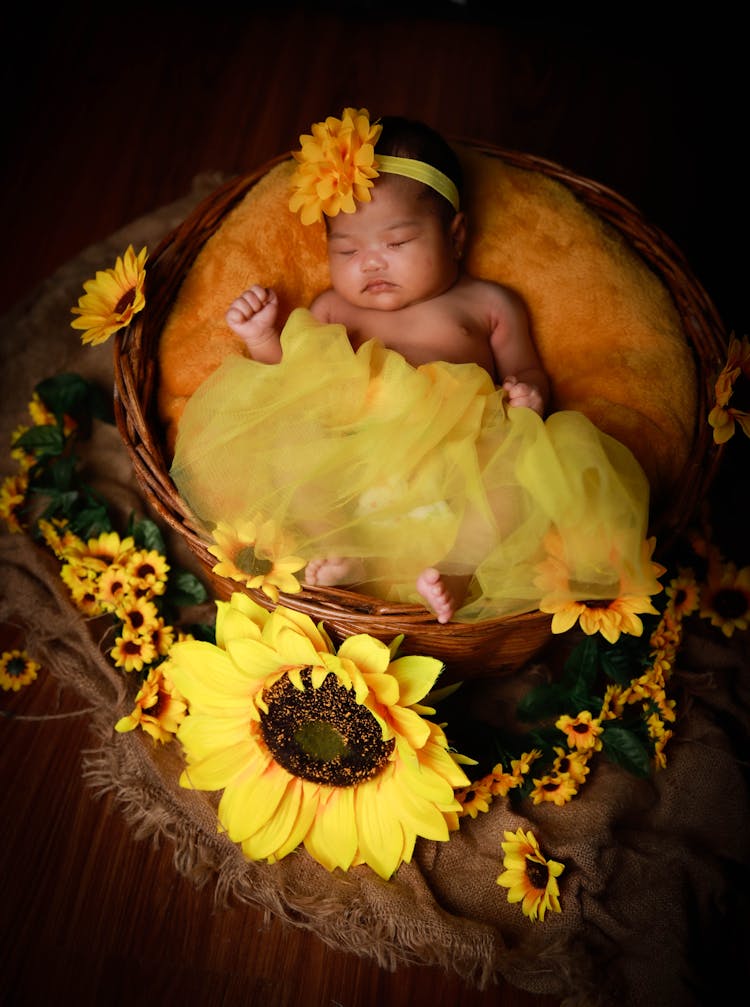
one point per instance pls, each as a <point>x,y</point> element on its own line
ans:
<point>329,571</point>
<point>438,593</point>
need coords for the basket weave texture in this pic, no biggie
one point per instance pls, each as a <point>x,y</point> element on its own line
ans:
<point>493,646</point>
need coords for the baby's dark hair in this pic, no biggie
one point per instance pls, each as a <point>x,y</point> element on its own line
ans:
<point>403,137</point>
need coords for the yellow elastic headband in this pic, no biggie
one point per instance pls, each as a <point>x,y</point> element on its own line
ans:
<point>419,171</point>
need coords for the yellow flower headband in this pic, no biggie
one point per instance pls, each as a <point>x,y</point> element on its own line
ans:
<point>336,165</point>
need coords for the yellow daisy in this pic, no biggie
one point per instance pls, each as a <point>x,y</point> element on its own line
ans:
<point>629,594</point>
<point>312,746</point>
<point>101,552</point>
<point>252,553</point>
<point>530,878</point>
<point>112,298</point>
<point>16,670</point>
<point>159,708</point>
<point>555,788</point>
<point>573,764</point>
<point>147,571</point>
<point>473,799</point>
<point>582,732</point>
<point>132,653</point>
<point>13,491</point>
<point>683,593</point>
<point>732,385</point>
<point>725,599</point>
<point>82,582</point>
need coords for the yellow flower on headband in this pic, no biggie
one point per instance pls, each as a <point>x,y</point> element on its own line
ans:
<point>335,166</point>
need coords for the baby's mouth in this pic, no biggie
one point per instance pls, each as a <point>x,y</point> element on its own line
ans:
<point>378,286</point>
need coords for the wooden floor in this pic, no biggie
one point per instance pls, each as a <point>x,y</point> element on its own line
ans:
<point>110,115</point>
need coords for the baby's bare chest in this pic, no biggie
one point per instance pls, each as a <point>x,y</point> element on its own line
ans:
<point>423,334</point>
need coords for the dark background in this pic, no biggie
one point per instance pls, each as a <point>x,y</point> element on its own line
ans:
<point>109,112</point>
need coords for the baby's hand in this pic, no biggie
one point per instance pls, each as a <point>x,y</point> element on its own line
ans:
<point>522,394</point>
<point>253,315</point>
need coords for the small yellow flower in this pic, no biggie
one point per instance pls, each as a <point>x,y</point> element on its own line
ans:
<point>147,571</point>
<point>132,653</point>
<point>159,707</point>
<point>530,878</point>
<point>582,731</point>
<point>139,616</point>
<point>474,799</point>
<point>335,166</point>
<point>521,767</point>
<point>500,782</point>
<point>56,535</point>
<point>555,788</point>
<point>732,385</point>
<point>565,599</point>
<point>101,552</point>
<point>112,298</point>
<point>683,594</point>
<point>12,499</point>
<point>113,586</point>
<point>725,599</point>
<point>573,764</point>
<point>16,670</point>
<point>252,553</point>
<point>82,582</point>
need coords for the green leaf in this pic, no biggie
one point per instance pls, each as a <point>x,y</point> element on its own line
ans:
<point>547,700</point>
<point>63,393</point>
<point>625,749</point>
<point>91,521</point>
<point>147,535</point>
<point>582,664</point>
<point>184,588</point>
<point>47,439</point>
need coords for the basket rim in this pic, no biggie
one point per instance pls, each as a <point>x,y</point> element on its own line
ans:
<point>136,379</point>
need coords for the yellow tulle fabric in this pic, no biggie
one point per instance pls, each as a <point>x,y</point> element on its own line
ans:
<point>360,454</point>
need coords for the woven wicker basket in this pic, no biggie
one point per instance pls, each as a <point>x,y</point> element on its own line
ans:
<point>494,646</point>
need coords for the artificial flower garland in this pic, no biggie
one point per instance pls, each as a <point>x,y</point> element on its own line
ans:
<point>130,580</point>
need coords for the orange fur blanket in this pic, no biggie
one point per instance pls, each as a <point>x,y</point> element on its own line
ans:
<point>605,325</point>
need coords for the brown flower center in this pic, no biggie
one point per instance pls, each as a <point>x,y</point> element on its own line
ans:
<point>537,874</point>
<point>730,603</point>
<point>323,735</point>
<point>125,301</point>
<point>248,562</point>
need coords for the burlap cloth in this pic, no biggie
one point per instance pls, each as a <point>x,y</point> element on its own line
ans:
<point>654,894</point>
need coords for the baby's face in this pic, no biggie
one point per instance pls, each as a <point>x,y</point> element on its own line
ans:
<point>393,251</point>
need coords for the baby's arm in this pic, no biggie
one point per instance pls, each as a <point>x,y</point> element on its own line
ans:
<point>253,317</point>
<point>516,357</point>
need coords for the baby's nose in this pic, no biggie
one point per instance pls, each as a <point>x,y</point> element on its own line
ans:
<point>373,259</point>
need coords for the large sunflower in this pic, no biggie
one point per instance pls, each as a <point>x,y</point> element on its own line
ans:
<point>112,298</point>
<point>312,746</point>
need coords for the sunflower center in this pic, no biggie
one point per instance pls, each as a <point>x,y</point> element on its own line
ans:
<point>15,667</point>
<point>730,604</point>
<point>537,874</point>
<point>125,301</point>
<point>323,735</point>
<point>248,562</point>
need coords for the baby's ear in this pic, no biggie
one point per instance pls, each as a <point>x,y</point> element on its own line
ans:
<point>457,232</point>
